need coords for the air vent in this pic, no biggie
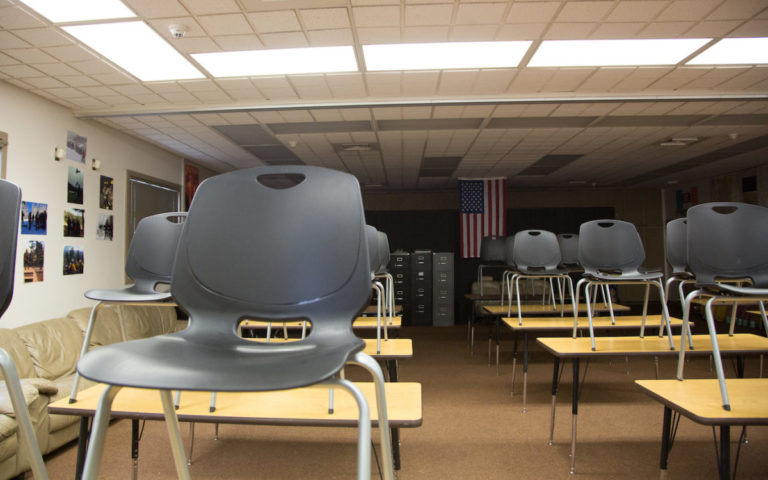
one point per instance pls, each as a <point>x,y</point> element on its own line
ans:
<point>679,142</point>
<point>356,147</point>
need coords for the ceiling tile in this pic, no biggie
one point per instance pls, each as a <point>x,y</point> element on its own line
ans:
<point>6,60</point>
<point>368,36</point>
<point>417,15</point>
<point>617,30</point>
<point>8,40</point>
<point>78,80</point>
<point>583,11</point>
<point>712,29</point>
<point>19,71</point>
<point>425,34</point>
<point>324,18</point>
<point>97,91</point>
<point>491,82</point>
<point>91,67</point>
<point>570,31</point>
<point>532,12</point>
<point>520,31</point>
<point>737,10</point>
<point>230,24</point>
<point>193,28</point>
<point>346,85</point>
<point>665,29</point>
<point>383,84</point>
<point>56,69</point>
<point>174,97</point>
<point>65,92</point>
<point>115,78</point>
<point>418,84</point>
<point>342,36</point>
<point>70,53</point>
<point>239,42</point>
<point>16,17</point>
<point>754,28</point>
<point>195,45</point>
<point>44,82</point>
<point>155,9</point>
<point>43,37</point>
<point>480,13</point>
<point>378,16</point>
<point>199,85</point>
<point>30,55</point>
<point>203,7</point>
<point>473,33</point>
<point>605,79</point>
<point>280,21</point>
<point>567,79</point>
<point>213,96</point>
<point>687,10</point>
<point>456,82</point>
<point>284,40</point>
<point>633,11</point>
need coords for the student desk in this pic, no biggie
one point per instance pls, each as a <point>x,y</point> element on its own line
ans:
<point>362,322</point>
<point>498,311</point>
<point>373,309</point>
<point>699,400</point>
<point>578,348</point>
<point>298,407</point>
<point>561,324</point>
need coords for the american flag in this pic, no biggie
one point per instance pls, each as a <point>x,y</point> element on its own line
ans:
<point>482,212</point>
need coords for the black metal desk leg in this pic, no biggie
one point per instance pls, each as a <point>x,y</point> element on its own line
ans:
<point>555,372</point>
<point>574,412</point>
<point>725,452</point>
<point>514,365</point>
<point>394,432</point>
<point>665,443</point>
<point>525,370</point>
<point>135,447</point>
<point>82,446</point>
<point>498,337</point>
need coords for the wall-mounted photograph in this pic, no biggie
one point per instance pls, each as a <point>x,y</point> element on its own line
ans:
<point>76,146</point>
<point>74,222</point>
<point>33,261</point>
<point>75,185</point>
<point>74,261</point>
<point>34,218</point>
<point>106,192</point>
<point>105,227</point>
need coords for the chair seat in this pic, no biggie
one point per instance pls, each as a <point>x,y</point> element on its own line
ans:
<point>735,290</point>
<point>187,361</point>
<point>128,294</point>
<point>547,272</point>
<point>636,277</point>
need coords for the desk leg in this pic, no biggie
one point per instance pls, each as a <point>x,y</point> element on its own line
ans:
<point>497,324</point>
<point>135,447</point>
<point>394,432</point>
<point>555,372</point>
<point>82,446</point>
<point>725,452</point>
<point>665,443</point>
<point>574,412</point>
<point>514,365</point>
<point>525,370</point>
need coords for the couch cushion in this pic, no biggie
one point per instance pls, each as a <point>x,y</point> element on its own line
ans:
<point>14,345</point>
<point>6,407</point>
<point>8,439</point>
<point>144,321</point>
<point>106,329</point>
<point>54,346</point>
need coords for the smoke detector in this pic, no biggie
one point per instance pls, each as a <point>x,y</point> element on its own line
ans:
<point>177,31</point>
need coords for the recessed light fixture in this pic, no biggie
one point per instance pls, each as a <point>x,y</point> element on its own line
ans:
<point>283,61</point>
<point>59,11</point>
<point>439,56</point>
<point>596,53</point>
<point>734,51</point>
<point>136,48</point>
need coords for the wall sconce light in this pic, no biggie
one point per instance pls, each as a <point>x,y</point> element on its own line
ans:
<point>58,153</point>
<point>95,164</point>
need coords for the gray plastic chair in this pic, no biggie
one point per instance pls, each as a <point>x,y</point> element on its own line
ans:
<point>726,241</point>
<point>491,255</point>
<point>149,263</point>
<point>537,256</point>
<point>389,280</point>
<point>227,269</point>
<point>675,238</point>
<point>611,253</point>
<point>509,260</point>
<point>10,211</point>
<point>569,250</point>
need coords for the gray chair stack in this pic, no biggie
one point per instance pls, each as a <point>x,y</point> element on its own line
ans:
<point>509,260</point>
<point>491,254</point>
<point>227,269</point>
<point>569,250</point>
<point>10,211</point>
<point>149,263</point>
<point>611,253</point>
<point>726,242</point>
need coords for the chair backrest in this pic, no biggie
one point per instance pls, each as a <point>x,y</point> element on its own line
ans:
<point>274,243</point>
<point>728,240</point>
<point>10,210</point>
<point>610,246</point>
<point>372,238</point>
<point>569,248</point>
<point>492,249</point>
<point>509,250</point>
<point>383,252</point>
<point>153,248</point>
<point>536,249</point>
<point>675,243</point>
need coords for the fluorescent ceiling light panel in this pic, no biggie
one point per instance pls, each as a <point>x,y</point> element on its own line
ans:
<point>734,51</point>
<point>80,10</point>
<point>136,48</point>
<point>441,56</point>
<point>598,53</point>
<point>283,61</point>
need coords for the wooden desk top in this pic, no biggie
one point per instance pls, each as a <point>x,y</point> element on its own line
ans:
<point>487,296</point>
<point>301,406</point>
<point>360,322</point>
<point>567,347</point>
<point>371,309</point>
<point>602,323</point>
<point>538,309</point>
<point>392,349</point>
<point>700,400</point>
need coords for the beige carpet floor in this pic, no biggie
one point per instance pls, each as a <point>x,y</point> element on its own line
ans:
<point>472,429</point>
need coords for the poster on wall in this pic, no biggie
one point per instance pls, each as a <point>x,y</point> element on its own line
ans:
<point>34,218</point>
<point>76,146</point>
<point>75,185</point>
<point>191,182</point>
<point>33,261</point>
<point>105,227</point>
<point>74,261</point>
<point>74,222</point>
<point>106,192</point>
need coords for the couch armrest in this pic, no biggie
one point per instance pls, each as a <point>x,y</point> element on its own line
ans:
<point>29,391</point>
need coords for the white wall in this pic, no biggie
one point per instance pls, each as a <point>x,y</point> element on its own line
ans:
<point>35,126</point>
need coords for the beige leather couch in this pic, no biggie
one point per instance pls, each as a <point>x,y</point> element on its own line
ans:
<point>45,354</point>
